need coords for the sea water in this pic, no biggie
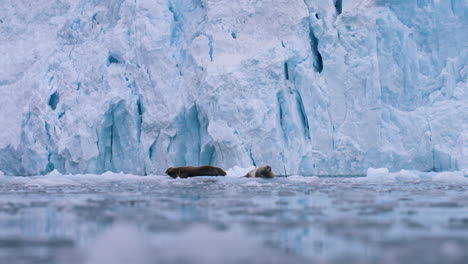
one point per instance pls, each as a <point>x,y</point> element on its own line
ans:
<point>403,217</point>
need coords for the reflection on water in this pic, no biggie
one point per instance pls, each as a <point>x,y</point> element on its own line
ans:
<point>155,219</point>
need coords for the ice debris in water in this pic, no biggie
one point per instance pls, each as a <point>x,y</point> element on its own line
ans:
<point>383,174</point>
<point>237,171</point>
<point>308,179</point>
<point>451,176</point>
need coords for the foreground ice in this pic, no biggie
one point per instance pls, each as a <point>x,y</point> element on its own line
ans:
<point>117,218</point>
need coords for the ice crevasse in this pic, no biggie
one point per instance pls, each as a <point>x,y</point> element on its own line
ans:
<point>310,87</point>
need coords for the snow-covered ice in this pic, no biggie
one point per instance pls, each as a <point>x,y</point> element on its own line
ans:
<point>120,218</point>
<point>314,87</point>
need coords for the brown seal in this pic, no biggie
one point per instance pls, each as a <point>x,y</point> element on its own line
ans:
<point>192,171</point>
<point>261,172</point>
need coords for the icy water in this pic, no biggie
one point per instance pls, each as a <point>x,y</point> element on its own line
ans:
<point>116,218</point>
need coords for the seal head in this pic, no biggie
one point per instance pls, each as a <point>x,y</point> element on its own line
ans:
<point>261,172</point>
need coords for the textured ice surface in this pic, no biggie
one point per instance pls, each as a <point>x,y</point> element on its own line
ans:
<point>116,218</point>
<point>314,87</point>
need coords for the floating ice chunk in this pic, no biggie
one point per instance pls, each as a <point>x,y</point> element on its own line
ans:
<point>111,176</point>
<point>384,175</point>
<point>308,179</point>
<point>255,184</point>
<point>406,175</point>
<point>377,173</point>
<point>46,181</point>
<point>33,185</point>
<point>237,171</point>
<point>54,173</point>
<point>450,176</point>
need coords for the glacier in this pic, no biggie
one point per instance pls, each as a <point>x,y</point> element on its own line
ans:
<point>310,87</point>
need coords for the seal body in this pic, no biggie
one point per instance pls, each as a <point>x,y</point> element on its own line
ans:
<point>192,171</point>
<point>261,172</point>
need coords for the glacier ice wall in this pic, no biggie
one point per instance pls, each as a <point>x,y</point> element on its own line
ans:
<point>312,87</point>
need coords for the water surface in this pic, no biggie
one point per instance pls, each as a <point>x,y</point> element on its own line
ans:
<point>116,218</point>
